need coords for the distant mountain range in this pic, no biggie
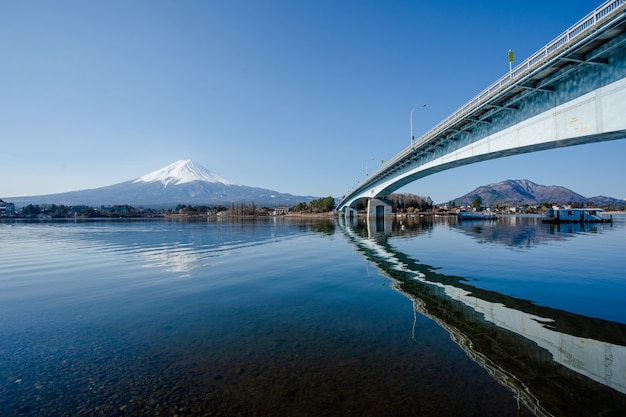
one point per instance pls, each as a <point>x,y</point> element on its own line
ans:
<point>186,182</point>
<point>519,192</point>
<point>183,182</point>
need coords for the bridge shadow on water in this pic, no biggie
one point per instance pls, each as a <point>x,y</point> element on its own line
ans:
<point>555,362</point>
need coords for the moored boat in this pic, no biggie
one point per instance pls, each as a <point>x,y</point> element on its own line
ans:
<point>575,215</point>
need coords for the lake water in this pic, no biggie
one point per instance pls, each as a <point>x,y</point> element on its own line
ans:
<point>284,317</point>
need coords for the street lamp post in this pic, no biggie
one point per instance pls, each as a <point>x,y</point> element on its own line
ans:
<point>366,166</point>
<point>412,110</point>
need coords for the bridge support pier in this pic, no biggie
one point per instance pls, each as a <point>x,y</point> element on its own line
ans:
<point>378,209</point>
<point>350,214</point>
<point>378,216</point>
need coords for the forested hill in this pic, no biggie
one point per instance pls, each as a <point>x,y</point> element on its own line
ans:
<point>521,192</point>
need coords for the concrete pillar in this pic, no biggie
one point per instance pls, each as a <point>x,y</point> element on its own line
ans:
<point>378,208</point>
<point>379,216</point>
<point>348,212</point>
<point>351,214</point>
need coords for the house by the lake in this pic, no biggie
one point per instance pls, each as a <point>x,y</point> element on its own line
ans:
<point>575,215</point>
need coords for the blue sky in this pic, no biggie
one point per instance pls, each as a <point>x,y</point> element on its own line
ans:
<point>295,96</point>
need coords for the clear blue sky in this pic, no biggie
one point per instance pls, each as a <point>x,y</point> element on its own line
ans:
<point>295,96</point>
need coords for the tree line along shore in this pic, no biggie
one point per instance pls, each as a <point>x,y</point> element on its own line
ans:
<point>402,204</point>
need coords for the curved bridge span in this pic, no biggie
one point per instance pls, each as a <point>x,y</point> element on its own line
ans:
<point>571,92</point>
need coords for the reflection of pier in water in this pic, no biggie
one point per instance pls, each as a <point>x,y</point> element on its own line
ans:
<point>555,362</point>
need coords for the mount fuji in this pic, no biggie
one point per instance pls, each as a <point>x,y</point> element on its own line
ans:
<point>183,182</point>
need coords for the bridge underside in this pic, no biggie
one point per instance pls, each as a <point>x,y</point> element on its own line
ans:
<point>538,123</point>
<point>569,94</point>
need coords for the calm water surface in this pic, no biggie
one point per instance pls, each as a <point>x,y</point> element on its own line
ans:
<point>312,318</point>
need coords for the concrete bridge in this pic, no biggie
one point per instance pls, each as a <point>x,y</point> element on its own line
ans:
<point>571,92</point>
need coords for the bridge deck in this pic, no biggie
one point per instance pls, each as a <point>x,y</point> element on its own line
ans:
<point>587,42</point>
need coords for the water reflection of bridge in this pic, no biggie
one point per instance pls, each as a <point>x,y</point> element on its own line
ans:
<point>555,362</point>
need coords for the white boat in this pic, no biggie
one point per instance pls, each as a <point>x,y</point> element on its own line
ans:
<point>575,215</point>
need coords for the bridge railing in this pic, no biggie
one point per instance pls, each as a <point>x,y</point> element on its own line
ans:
<point>606,10</point>
<point>561,42</point>
<point>590,21</point>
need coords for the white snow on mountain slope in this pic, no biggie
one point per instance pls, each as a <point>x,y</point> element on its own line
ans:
<point>181,172</point>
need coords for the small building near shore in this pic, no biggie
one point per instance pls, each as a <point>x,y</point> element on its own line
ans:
<point>278,210</point>
<point>575,215</point>
<point>6,209</point>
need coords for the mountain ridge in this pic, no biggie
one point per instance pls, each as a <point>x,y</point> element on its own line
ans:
<point>521,192</point>
<point>182,182</point>
<point>182,172</point>
<point>186,182</point>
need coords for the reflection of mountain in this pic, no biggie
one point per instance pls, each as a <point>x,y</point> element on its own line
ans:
<point>514,231</point>
<point>189,246</point>
<point>556,362</point>
<point>524,232</point>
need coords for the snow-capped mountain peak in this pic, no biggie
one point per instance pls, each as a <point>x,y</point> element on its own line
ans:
<point>182,172</point>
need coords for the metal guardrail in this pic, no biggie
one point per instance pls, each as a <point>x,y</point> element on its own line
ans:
<point>590,21</point>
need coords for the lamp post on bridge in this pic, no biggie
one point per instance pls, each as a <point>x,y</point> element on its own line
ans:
<point>366,162</point>
<point>412,110</point>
